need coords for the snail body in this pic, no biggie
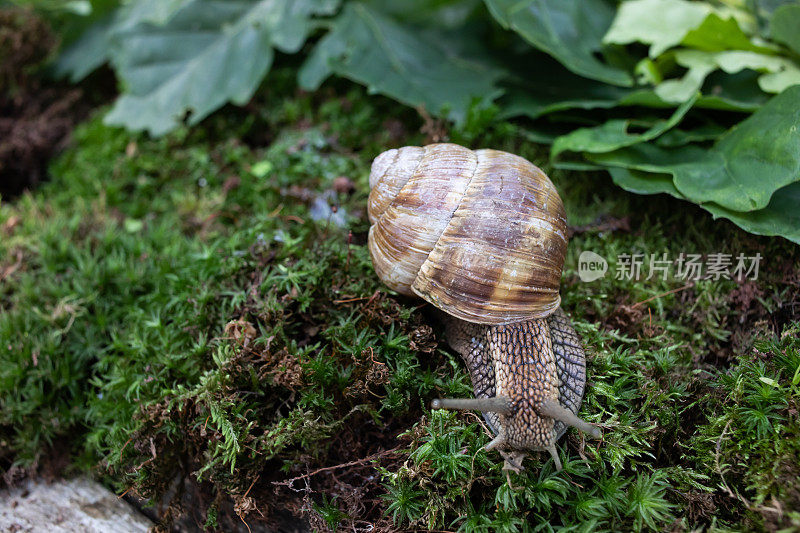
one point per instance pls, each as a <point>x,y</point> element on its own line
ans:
<point>482,236</point>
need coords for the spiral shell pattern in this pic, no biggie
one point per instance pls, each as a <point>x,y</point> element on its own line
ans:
<point>481,234</point>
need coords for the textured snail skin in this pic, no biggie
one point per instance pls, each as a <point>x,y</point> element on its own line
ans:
<point>482,236</point>
<point>527,366</point>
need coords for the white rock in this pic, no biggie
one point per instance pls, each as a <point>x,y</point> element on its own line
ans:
<point>75,505</point>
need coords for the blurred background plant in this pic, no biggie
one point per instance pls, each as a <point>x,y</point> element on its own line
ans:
<point>672,96</point>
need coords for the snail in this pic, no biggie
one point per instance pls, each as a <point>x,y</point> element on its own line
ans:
<point>482,236</point>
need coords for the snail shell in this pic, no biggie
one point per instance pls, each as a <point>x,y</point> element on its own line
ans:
<point>481,234</point>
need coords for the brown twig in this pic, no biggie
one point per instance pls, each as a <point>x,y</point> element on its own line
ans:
<point>673,291</point>
<point>153,453</point>
<point>245,524</point>
<point>251,486</point>
<point>290,482</point>
<point>7,271</point>
<point>358,299</point>
<point>125,446</point>
<point>349,300</point>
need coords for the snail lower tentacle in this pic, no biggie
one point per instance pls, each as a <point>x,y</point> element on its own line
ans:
<point>528,378</point>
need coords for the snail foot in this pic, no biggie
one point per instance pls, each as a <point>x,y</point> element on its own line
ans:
<point>554,455</point>
<point>512,461</point>
<point>498,442</point>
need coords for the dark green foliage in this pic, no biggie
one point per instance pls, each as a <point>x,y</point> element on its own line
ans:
<point>187,308</point>
<point>607,83</point>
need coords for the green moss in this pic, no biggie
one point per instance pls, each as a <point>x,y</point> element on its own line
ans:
<point>751,439</point>
<point>175,307</point>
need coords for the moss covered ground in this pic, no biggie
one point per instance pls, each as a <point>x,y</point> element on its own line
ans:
<point>195,320</point>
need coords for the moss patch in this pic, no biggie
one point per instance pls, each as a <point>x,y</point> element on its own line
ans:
<point>202,307</point>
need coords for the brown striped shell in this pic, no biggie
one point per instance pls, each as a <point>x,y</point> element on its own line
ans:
<point>480,234</point>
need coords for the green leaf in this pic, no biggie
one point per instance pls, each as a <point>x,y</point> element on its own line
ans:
<point>677,137</point>
<point>784,26</point>
<point>410,66</point>
<point>581,166</point>
<point>717,34</point>
<point>641,175</point>
<point>733,92</point>
<point>553,88</point>
<point>261,169</point>
<point>765,8</point>
<point>82,8</point>
<point>700,65</point>
<point>743,169</point>
<point>569,30</point>
<point>157,12</point>
<point>640,182</point>
<point>775,82</point>
<point>751,161</point>
<point>87,53</point>
<point>664,24</point>
<point>660,23</point>
<point>779,72</point>
<point>451,14</point>
<point>92,49</point>
<point>768,381</point>
<point>208,53</point>
<point>780,217</point>
<point>604,138</point>
<point>648,157</point>
<point>614,134</point>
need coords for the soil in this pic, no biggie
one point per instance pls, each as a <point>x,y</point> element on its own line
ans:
<point>36,114</point>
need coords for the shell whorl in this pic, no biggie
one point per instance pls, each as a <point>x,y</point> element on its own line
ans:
<point>479,234</point>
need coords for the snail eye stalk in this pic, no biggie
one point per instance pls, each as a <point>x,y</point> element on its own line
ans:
<point>497,404</point>
<point>556,411</point>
